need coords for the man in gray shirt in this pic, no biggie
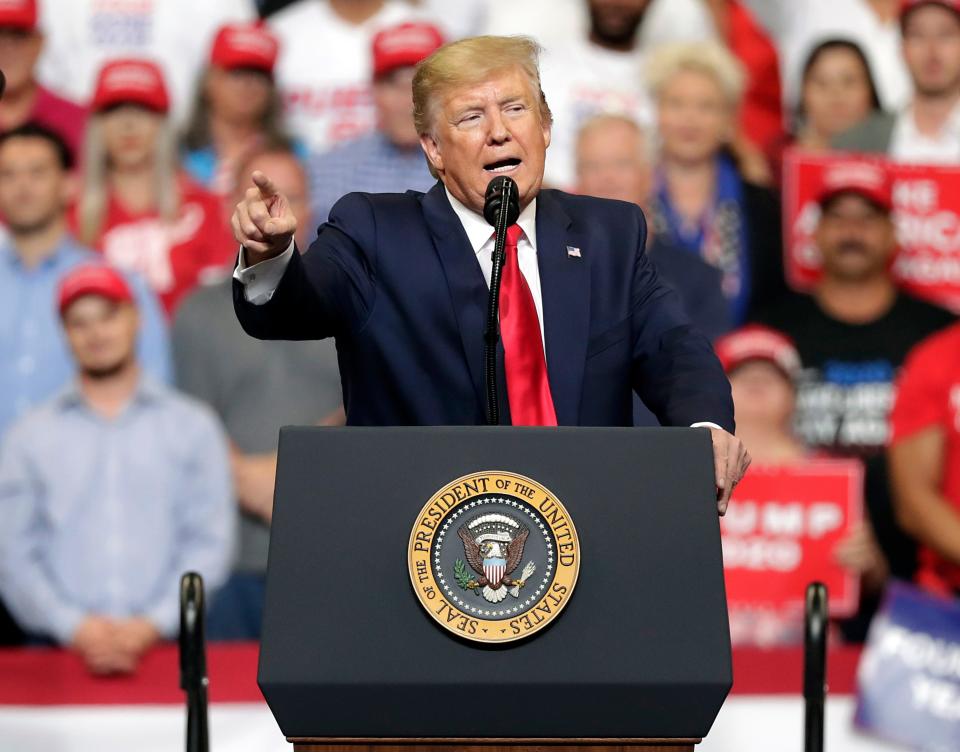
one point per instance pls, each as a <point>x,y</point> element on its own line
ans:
<point>255,387</point>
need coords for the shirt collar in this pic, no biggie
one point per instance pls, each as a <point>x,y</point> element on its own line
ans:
<point>66,250</point>
<point>479,231</point>
<point>950,125</point>
<point>147,391</point>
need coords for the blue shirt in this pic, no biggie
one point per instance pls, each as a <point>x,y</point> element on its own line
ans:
<point>104,516</point>
<point>371,164</point>
<point>34,359</point>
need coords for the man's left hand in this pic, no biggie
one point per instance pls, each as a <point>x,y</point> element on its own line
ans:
<point>730,460</point>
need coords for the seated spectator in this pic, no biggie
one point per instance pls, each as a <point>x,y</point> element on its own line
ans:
<point>136,206</point>
<point>853,333</point>
<point>614,161</point>
<point>255,387</point>
<point>701,203</point>
<point>599,70</point>
<point>324,69</point>
<point>924,456</point>
<point>109,492</point>
<point>237,109</point>
<point>35,188</point>
<point>24,99</point>
<point>82,35</point>
<point>837,93</point>
<point>389,159</point>
<point>927,129</point>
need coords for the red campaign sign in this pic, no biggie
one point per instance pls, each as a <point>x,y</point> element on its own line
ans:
<point>926,213</point>
<point>780,532</point>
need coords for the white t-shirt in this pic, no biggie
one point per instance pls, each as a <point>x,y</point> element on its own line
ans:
<point>797,26</point>
<point>907,144</point>
<point>83,34</point>
<point>325,68</point>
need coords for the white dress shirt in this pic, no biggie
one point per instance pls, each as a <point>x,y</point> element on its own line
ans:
<point>260,281</point>
<point>908,144</point>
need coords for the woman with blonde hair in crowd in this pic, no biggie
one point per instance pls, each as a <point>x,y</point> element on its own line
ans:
<point>237,109</point>
<point>136,205</point>
<point>702,202</point>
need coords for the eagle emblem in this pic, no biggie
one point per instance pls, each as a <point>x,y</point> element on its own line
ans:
<point>493,546</point>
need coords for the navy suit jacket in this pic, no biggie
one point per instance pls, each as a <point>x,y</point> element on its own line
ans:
<point>394,279</point>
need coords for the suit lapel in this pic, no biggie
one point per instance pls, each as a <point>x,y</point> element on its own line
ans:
<point>565,287</point>
<point>468,289</point>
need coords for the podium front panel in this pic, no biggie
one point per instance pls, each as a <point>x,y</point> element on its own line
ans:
<point>641,649</point>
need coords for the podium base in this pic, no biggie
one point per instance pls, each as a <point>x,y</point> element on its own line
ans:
<point>492,745</point>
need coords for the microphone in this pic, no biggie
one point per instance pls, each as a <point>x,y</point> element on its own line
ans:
<point>501,208</point>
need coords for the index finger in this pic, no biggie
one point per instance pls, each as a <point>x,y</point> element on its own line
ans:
<point>264,184</point>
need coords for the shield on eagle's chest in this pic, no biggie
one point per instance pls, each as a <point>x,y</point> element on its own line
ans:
<point>493,570</point>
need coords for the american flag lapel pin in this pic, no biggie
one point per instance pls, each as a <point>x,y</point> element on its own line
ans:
<point>573,252</point>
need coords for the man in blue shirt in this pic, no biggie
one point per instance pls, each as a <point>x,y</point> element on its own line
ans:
<point>389,159</point>
<point>110,491</point>
<point>34,192</point>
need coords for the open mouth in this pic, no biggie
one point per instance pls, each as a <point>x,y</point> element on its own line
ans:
<point>503,165</point>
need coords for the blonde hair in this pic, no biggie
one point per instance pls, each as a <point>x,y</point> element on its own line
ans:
<point>471,61</point>
<point>92,207</point>
<point>709,58</point>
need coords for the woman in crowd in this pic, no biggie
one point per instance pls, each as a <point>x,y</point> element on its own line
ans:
<point>237,108</point>
<point>837,92</point>
<point>702,202</point>
<point>136,205</point>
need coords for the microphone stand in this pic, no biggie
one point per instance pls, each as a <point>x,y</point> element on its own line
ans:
<point>504,203</point>
<point>815,666</point>
<point>193,661</point>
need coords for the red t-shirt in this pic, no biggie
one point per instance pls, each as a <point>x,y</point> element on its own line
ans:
<point>928,394</point>
<point>173,257</point>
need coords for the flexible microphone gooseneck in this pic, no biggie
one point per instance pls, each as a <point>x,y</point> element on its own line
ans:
<point>501,208</point>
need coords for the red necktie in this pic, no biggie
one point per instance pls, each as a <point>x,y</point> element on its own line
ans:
<point>527,387</point>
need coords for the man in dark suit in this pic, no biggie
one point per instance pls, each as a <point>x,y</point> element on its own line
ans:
<point>401,279</point>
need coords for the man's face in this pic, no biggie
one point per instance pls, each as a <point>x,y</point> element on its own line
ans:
<point>615,22</point>
<point>855,238</point>
<point>393,100</point>
<point>34,188</point>
<point>610,163</point>
<point>287,174</point>
<point>102,334</point>
<point>931,48</point>
<point>19,51</point>
<point>485,130</point>
<point>130,134</point>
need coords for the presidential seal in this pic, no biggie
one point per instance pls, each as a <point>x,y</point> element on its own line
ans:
<point>493,557</point>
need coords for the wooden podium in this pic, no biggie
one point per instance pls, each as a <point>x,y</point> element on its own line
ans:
<point>352,659</point>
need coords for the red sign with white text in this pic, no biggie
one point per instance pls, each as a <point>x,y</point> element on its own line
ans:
<point>781,530</point>
<point>926,202</point>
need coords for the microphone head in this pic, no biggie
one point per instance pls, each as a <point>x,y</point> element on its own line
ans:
<point>498,189</point>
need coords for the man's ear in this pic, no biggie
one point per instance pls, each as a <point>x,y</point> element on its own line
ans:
<point>547,132</point>
<point>70,188</point>
<point>432,149</point>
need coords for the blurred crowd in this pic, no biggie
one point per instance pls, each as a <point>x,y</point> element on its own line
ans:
<point>138,425</point>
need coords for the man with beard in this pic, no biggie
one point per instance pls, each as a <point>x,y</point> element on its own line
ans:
<point>927,130</point>
<point>602,72</point>
<point>110,491</point>
<point>853,333</point>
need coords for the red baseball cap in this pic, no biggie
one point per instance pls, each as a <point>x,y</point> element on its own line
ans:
<point>866,178</point>
<point>404,45</point>
<point>908,5</point>
<point>130,81</point>
<point>93,279</point>
<point>756,342</point>
<point>18,14</point>
<point>248,45</point>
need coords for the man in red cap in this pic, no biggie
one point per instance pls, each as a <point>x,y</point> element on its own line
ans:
<point>927,130</point>
<point>111,490</point>
<point>389,159</point>
<point>24,99</point>
<point>853,332</point>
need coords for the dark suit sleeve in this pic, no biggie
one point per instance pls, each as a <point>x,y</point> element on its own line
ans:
<point>675,371</point>
<point>330,289</point>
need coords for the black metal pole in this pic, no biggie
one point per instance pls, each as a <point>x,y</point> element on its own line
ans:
<point>815,666</point>
<point>193,661</point>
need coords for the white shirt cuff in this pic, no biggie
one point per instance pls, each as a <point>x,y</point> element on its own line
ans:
<point>705,424</point>
<point>261,280</point>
